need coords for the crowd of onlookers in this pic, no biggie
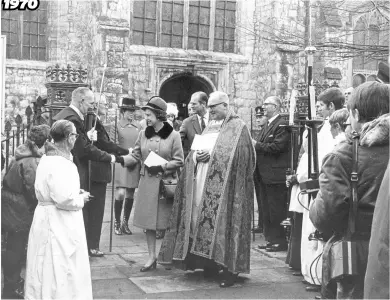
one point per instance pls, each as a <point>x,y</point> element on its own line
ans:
<point>56,185</point>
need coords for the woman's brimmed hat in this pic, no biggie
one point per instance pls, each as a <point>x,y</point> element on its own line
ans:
<point>156,104</point>
<point>129,103</point>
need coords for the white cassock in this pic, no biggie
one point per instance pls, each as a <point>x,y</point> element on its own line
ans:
<point>201,171</point>
<point>311,258</point>
<point>57,256</point>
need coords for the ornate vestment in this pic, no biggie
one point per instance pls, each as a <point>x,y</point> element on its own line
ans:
<point>223,227</point>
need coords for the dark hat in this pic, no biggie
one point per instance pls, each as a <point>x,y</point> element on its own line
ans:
<point>156,103</point>
<point>129,103</point>
<point>383,72</point>
<point>259,111</point>
<point>39,134</point>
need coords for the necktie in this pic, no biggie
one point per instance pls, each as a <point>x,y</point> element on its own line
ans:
<point>202,123</point>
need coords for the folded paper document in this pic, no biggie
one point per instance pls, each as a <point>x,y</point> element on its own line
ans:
<point>154,160</point>
<point>204,142</point>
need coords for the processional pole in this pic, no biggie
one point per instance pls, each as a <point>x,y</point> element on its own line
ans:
<point>311,186</point>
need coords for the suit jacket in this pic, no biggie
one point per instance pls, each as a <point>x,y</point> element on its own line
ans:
<point>101,171</point>
<point>83,149</point>
<point>188,129</point>
<point>272,149</point>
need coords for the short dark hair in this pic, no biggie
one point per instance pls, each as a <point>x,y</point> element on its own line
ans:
<point>203,98</point>
<point>332,95</point>
<point>371,99</point>
<point>60,130</point>
<point>340,116</point>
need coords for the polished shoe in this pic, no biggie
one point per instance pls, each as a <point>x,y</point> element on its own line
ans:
<point>229,280</point>
<point>305,281</point>
<point>264,246</point>
<point>148,268</point>
<point>318,297</point>
<point>298,273</point>
<point>95,253</point>
<point>125,227</point>
<point>313,288</point>
<point>276,248</point>
<point>160,234</point>
<point>117,228</point>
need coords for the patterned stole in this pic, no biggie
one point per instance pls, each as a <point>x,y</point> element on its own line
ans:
<point>215,186</point>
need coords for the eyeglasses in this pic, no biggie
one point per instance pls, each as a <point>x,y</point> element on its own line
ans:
<point>75,134</point>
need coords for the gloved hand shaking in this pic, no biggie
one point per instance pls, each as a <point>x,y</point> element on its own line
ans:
<point>92,135</point>
<point>154,170</point>
<point>119,159</point>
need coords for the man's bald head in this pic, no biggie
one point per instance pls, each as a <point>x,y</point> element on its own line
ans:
<point>218,97</point>
<point>218,105</point>
<point>272,106</point>
<point>83,99</point>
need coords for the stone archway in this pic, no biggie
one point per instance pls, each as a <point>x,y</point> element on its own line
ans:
<point>179,88</point>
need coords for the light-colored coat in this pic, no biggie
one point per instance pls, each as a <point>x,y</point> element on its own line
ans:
<point>151,211</point>
<point>126,135</point>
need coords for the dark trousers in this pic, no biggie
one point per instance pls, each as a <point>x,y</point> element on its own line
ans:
<point>93,212</point>
<point>294,246</point>
<point>274,205</point>
<point>258,186</point>
<point>13,258</point>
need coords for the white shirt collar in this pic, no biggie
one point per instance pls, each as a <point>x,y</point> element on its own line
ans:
<point>77,111</point>
<point>273,118</point>
<point>206,118</point>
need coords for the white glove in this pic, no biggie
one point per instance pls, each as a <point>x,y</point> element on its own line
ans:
<point>254,142</point>
<point>130,150</point>
<point>92,135</point>
<point>112,159</point>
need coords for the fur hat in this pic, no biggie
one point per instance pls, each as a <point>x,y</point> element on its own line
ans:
<point>39,134</point>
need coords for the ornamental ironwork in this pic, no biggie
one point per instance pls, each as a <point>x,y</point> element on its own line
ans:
<point>66,74</point>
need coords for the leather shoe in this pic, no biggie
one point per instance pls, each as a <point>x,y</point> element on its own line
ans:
<point>276,248</point>
<point>95,253</point>
<point>298,273</point>
<point>265,246</point>
<point>229,280</point>
<point>313,288</point>
<point>318,297</point>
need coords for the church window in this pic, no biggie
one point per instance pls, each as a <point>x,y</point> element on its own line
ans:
<point>26,33</point>
<point>199,25</point>
<point>225,23</point>
<point>144,22</point>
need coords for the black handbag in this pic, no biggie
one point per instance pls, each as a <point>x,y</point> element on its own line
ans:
<point>169,188</point>
<point>343,258</point>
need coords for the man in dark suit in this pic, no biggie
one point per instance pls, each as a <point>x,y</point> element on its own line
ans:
<point>272,149</point>
<point>196,123</point>
<point>101,175</point>
<point>261,121</point>
<point>83,150</point>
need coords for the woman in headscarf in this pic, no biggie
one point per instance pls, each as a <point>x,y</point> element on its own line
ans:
<point>18,202</point>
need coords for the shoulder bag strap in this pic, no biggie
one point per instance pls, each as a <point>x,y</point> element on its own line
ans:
<point>353,205</point>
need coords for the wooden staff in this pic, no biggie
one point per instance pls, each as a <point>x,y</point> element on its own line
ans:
<point>253,211</point>
<point>113,184</point>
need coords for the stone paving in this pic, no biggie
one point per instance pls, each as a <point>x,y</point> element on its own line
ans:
<point>117,275</point>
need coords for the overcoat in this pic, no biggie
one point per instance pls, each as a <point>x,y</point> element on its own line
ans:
<point>152,211</point>
<point>126,135</point>
<point>330,210</point>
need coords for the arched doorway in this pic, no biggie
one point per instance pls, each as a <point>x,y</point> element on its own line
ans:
<point>180,87</point>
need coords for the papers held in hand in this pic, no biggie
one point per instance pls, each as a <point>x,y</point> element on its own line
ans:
<point>204,142</point>
<point>154,160</point>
